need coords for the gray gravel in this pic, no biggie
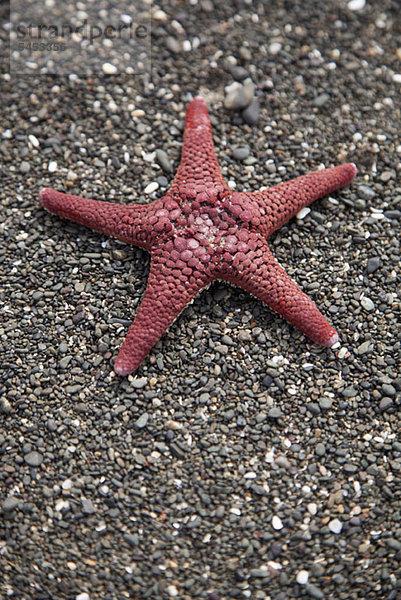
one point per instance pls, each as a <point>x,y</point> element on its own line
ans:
<point>241,461</point>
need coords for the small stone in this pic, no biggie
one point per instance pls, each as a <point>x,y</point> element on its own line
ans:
<point>388,389</point>
<point>386,176</point>
<point>313,408</point>
<point>109,69</point>
<point>393,215</point>
<point>25,167</point>
<point>335,526</point>
<point>139,383</point>
<point>325,403</point>
<point>277,523</point>
<point>365,348</point>
<point>303,212</point>
<point>151,187</point>
<point>367,304</point>
<point>142,421</point>
<point>132,539</point>
<point>314,592</point>
<point>251,113</point>
<point>239,95</point>
<point>356,4</point>
<point>350,468</point>
<point>320,449</point>
<point>10,504</point>
<point>302,577</point>
<point>33,459</point>
<point>71,176</point>
<point>274,48</point>
<point>239,73</point>
<point>321,100</point>
<point>241,153</point>
<point>366,192</point>
<point>34,140</point>
<point>52,167</point>
<point>372,265</point>
<point>5,406</point>
<point>274,413</point>
<point>312,508</point>
<point>385,404</point>
<point>393,544</point>
<point>267,381</point>
<point>163,161</point>
<point>82,596</point>
<point>87,506</point>
<point>173,44</point>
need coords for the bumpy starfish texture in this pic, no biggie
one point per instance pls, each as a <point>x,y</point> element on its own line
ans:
<point>201,231</point>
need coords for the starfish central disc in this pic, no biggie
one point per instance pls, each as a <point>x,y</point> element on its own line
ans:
<point>201,231</point>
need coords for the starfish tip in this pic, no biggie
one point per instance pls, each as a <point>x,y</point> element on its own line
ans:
<point>333,339</point>
<point>45,196</point>
<point>121,369</point>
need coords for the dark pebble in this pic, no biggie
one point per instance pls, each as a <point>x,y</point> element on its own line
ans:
<point>251,113</point>
<point>366,192</point>
<point>241,153</point>
<point>33,459</point>
<point>385,404</point>
<point>142,421</point>
<point>10,504</point>
<point>239,73</point>
<point>274,413</point>
<point>314,592</point>
<point>373,265</point>
<point>267,381</point>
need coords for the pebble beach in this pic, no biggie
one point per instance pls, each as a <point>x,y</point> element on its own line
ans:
<point>241,461</point>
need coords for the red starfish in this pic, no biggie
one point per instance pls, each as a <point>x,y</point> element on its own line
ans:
<point>201,231</point>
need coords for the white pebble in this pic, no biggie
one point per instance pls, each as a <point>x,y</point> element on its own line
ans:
<point>67,484</point>
<point>235,511</point>
<point>397,77</point>
<point>7,134</point>
<point>52,166</point>
<point>172,591</point>
<point>342,352</point>
<point>312,508</point>
<point>109,69</point>
<point>303,212</point>
<point>275,48</point>
<point>302,577</point>
<point>356,4</point>
<point>34,140</point>
<point>127,19</point>
<point>152,187</point>
<point>277,523</point>
<point>83,596</point>
<point>148,156</point>
<point>160,15</point>
<point>367,303</point>
<point>335,526</point>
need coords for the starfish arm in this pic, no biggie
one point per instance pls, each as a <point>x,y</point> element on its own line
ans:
<point>259,273</point>
<point>278,204</point>
<point>168,291</point>
<point>126,223</point>
<point>198,170</point>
